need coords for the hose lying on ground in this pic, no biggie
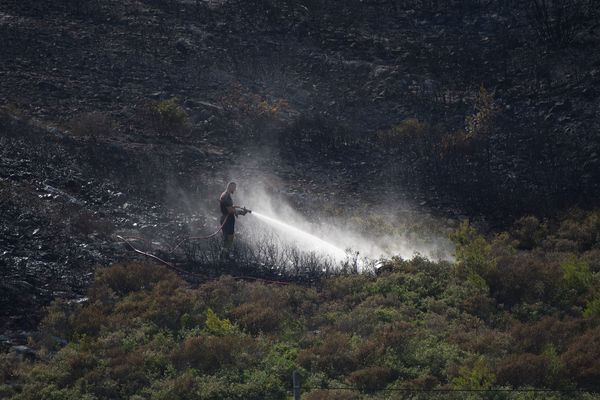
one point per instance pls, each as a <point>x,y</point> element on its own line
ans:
<point>188,273</point>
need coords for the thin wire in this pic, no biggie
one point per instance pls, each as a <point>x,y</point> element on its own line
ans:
<point>452,390</point>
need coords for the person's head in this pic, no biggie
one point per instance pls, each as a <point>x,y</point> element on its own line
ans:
<point>231,187</point>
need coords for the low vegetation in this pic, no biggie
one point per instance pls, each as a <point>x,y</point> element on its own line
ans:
<point>168,118</point>
<point>515,311</point>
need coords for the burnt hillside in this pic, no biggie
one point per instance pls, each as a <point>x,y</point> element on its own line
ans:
<point>122,116</point>
<point>396,85</point>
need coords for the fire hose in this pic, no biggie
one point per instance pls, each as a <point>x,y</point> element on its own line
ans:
<point>243,211</point>
<point>181,271</point>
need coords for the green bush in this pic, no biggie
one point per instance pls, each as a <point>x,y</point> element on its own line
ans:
<point>168,118</point>
<point>477,377</point>
<point>577,276</point>
<point>592,308</point>
<point>473,253</point>
<point>499,316</point>
<point>216,326</point>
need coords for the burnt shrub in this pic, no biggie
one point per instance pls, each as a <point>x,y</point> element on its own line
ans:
<point>83,8</point>
<point>255,307</point>
<point>368,352</point>
<point>126,278</point>
<point>87,223</point>
<point>582,228</point>
<point>95,124</point>
<point>558,21</point>
<point>315,132</point>
<point>346,289</point>
<point>258,317</point>
<point>533,337</point>
<point>209,353</point>
<point>9,365</point>
<point>167,304</point>
<point>89,320</point>
<point>529,232</point>
<point>522,370</point>
<point>527,278</point>
<point>582,360</point>
<point>332,355</point>
<point>396,335</point>
<point>592,258</point>
<point>410,133</point>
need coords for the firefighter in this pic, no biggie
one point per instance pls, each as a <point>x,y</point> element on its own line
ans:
<point>229,212</point>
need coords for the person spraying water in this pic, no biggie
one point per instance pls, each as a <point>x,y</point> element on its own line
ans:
<point>229,212</point>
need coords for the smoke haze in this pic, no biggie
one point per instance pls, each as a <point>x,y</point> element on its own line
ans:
<point>373,236</point>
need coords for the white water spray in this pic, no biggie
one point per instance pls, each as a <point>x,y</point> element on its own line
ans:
<point>304,238</point>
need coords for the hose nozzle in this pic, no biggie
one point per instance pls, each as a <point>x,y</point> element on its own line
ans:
<point>243,211</point>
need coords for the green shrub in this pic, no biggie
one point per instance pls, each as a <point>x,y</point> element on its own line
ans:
<point>216,326</point>
<point>168,118</point>
<point>145,333</point>
<point>577,275</point>
<point>280,360</point>
<point>477,377</point>
<point>592,308</point>
<point>473,253</point>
